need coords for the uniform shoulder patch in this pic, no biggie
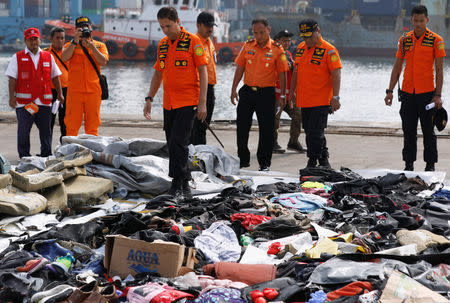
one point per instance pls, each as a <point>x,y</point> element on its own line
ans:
<point>277,44</point>
<point>47,49</point>
<point>250,40</point>
<point>198,49</point>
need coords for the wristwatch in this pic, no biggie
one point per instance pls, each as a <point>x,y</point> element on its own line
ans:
<point>73,42</point>
<point>337,98</point>
<point>389,91</point>
<point>148,98</point>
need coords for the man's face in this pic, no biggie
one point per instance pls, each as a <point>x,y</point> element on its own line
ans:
<point>58,40</point>
<point>419,22</point>
<point>285,42</point>
<point>33,44</point>
<point>170,28</point>
<point>205,31</point>
<point>313,39</point>
<point>261,32</point>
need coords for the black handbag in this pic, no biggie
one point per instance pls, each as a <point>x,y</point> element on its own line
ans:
<point>102,78</point>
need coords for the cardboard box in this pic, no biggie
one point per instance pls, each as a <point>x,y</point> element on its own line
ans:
<point>125,256</point>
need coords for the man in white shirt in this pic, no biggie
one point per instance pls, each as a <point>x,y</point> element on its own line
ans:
<point>30,74</point>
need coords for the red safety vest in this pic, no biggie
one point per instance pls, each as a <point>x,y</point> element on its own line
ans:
<point>32,83</point>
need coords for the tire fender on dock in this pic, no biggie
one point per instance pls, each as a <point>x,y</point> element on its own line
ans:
<point>151,52</point>
<point>130,49</point>
<point>112,47</point>
<point>225,54</point>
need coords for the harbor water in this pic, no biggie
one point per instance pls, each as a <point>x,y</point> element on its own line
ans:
<point>364,81</point>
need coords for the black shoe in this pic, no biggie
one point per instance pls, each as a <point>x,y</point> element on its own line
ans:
<point>176,188</point>
<point>429,166</point>
<point>244,164</point>
<point>312,162</point>
<point>277,149</point>
<point>186,190</point>
<point>264,168</point>
<point>324,162</point>
<point>409,166</point>
<point>295,146</point>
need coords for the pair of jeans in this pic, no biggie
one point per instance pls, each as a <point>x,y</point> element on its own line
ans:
<point>314,120</point>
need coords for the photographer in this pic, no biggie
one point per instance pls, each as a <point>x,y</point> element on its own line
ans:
<point>84,91</point>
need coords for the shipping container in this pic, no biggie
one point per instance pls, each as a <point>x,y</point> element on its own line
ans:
<point>378,7</point>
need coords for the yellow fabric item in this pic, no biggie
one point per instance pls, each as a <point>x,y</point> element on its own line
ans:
<point>309,184</point>
<point>323,246</point>
<point>346,237</point>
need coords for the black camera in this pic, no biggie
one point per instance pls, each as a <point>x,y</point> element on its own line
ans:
<point>85,32</point>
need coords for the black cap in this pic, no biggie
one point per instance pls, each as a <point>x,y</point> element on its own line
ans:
<point>83,20</point>
<point>206,19</point>
<point>440,119</point>
<point>283,33</point>
<point>307,27</point>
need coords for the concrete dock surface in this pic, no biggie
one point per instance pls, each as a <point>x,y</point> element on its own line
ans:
<point>356,145</point>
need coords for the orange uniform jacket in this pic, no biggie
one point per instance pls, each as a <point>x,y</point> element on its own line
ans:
<point>314,79</point>
<point>178,61</point>
<point>82,77</point>
<point>210,53</point>
<point>65,74</point>
<point>419,55</point>
<point>262,64</point>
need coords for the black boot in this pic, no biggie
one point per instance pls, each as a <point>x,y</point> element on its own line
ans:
<point>175,189</point>
<point>409,166</point>
<point>429,166</point>
<point>324,162</point>
<point>186,189</point>
<point>312,162</point>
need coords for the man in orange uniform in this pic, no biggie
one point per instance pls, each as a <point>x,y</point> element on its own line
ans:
<point>284,38</point>
<point>205,28</point>
<point>315,86</point>
<point>181,66</point>
<point>263,61</point>
<point>31,72</point>
<point>84,91</point>
<point>421,48</point>
<point>57,38</point>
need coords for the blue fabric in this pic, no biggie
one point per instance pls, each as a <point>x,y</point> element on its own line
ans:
<point>220,295</point>
<point>305,203</point>
<point>51,250</point>
<point>442,193</point>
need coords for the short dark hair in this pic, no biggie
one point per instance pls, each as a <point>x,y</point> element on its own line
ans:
<point>56,30</point>
<point>261,20</point>
<point>419,10</point>
<point>169,13</point>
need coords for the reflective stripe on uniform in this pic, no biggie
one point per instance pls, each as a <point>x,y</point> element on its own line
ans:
<point>25,96</point>
<point>47,96</point>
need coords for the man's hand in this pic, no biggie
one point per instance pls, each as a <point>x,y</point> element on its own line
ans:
<point>335,105</point>
<point>147,110</point>
<point>88,43</point>
<point>292,100</point>
<point>12,102</point>
<point>281,103</point>
<point>388,99</point>
<point>437,101</point>
<point>201,111</point>
<point>61,99</point>
<point>234,96</point>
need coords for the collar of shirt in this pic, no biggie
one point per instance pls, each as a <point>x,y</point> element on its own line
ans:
<point>31,54</point>
<point>267,46</point>
<point>34,57</point>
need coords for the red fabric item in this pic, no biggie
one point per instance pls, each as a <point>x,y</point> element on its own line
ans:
<point>31,32</point>
<point>260,300</point>
<point>274,248</point>
<point>351,289</point>
<point>256,294</point>
<point>32,83</point>
<point>270,293</point>
<point>248,221</point>
<point>169,296</point>
<point>237,272</point>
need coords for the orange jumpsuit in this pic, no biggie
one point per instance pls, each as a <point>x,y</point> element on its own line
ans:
<point>84,92</point>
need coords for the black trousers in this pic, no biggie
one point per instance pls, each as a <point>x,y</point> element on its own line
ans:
<point>261,101</point>
<point>411,111</point>
<point>25,121</point>
<point>314,121</point>
<point>61,113</point>
<point>178,126</point>
<point>199,128</point>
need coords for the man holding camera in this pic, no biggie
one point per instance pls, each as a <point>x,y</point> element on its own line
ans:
<point>84,91</point>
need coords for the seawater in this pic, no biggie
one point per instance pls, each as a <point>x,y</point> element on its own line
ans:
<point>363,85</point>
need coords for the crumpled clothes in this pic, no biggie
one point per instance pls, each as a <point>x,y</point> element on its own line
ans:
<point>310,184</point>
<point>442,193</point>
<point>155,293</point>
<point>207,283</point>
<point>248,221</point>
<point>303,202</point>
<point>220,295</point>
<point>218,243</point>
<point>351,289</point>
